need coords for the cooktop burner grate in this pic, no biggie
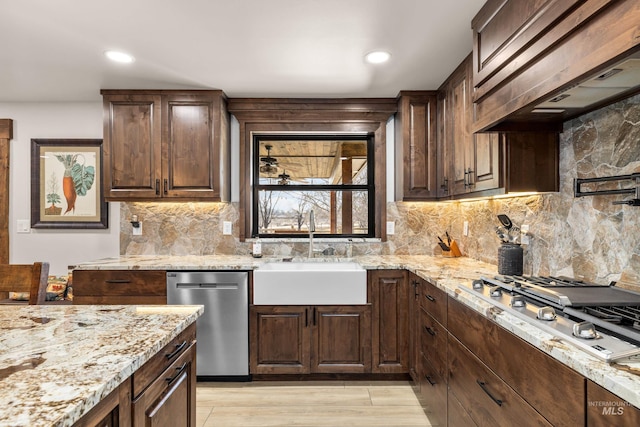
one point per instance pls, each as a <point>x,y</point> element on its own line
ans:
<point>628,316</point>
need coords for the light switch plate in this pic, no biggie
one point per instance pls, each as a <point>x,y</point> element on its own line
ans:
<point>137,231</point>
<point>391,227</point>
<point>465,228</point>
<point>23,226</point>
<point>227,227</point>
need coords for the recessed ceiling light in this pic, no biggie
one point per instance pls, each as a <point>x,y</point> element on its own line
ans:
<point>121,57</point>
<point>377,57</point>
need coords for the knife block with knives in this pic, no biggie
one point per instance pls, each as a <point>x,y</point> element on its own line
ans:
<point>449,249</point>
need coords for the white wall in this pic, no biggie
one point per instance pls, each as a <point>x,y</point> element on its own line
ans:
<point>60,248</point>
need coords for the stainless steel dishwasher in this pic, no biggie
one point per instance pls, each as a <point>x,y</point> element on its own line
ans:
<point>222,332</point>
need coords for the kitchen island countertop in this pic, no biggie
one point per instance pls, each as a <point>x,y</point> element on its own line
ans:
<point>58,362</point>
<point>621,378</point>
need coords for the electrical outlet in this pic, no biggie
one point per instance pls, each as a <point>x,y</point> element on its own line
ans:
<point>465,228</point>
<point>23,226</point>
<point>137,231</point>
<point>227,227</point>
<point>391,227</point>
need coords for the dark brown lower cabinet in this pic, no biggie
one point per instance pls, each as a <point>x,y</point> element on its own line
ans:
<point>487,398</point>
<point>162,392</point>
<point>388,292</point>
<point>310,339</point>
<point>553,389</point>
<point>113,411</point>
<point>605,409</point>
<point>170,399</point>
<point>433,394</point>
<point>457,416</point>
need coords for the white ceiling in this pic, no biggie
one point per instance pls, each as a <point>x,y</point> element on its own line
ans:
<point>52,50</point>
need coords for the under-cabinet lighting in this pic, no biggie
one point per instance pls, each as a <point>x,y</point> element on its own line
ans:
<point>118,56</point>
<point>548,110</point>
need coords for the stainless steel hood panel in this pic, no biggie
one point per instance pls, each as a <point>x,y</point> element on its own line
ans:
<point>614,81</point>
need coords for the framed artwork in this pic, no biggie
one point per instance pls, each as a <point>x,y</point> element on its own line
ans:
<point>66,187</point>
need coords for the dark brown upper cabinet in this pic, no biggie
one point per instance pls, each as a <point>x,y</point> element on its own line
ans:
<point>487,164</point>
<point>538,63</point>
<point>469,162</point>
<point>165,145</point>
<point>416,146</point>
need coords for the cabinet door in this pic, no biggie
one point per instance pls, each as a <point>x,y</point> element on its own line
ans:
<point>341,339</point>
<point>190,158</point>
<point>460,122</point>
<point>486,162</point>
<point>606,409</point>
<point>279,339</point>
<point>416,144</point>
<point>388,293</point>
<point>132,146</point>
<point>445,149</point>
<point>170,400</point>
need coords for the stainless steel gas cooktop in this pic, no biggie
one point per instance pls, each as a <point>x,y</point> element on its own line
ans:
<point>602,320</point>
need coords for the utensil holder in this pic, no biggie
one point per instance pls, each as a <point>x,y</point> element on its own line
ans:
<point>510,256</point>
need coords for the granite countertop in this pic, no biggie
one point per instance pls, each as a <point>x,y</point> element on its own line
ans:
<point>621,378</point>
<point>57,362</point>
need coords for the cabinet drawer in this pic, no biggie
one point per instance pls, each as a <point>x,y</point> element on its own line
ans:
<point>144,376</point>
<point>169,401</point>
<point>488,399</point>
<point>434,301</point>
<point>119,283</point>
<point>558,392</point>
<point>433,342</point>
<point>456,415</point>
<point>433,394</point>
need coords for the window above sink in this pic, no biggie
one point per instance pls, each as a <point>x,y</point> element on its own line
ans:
<point>327,174</point>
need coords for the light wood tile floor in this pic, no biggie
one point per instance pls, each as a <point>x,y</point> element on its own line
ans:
<point>308,404</point>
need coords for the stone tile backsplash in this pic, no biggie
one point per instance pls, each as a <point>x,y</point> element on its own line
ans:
<point>583,237</point>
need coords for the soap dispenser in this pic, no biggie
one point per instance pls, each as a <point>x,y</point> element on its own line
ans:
<point>257,248</point>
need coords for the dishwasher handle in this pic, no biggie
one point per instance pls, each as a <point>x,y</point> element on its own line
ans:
<point>207,286</point>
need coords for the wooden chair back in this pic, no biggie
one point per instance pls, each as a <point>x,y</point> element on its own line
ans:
<point>30,278</point>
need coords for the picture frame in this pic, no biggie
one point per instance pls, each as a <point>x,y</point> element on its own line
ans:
<point>66,184</point>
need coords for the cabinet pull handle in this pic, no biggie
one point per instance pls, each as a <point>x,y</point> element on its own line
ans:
<point>178,349</point>
<point>306,317</point>
<point>431,331</point>
<point>432,382</point>
<point>180,371</point>
<point>166,186</point>
<point>430,298</point>
<point>157,187</point>
<point>117,281</point>
<point>470,172</point>
<point>315,313</point>
<point>483,386</point>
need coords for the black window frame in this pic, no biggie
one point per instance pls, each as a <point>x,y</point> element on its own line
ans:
<point>369,187</point>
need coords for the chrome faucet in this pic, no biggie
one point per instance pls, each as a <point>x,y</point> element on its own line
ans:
<point>312,229</point>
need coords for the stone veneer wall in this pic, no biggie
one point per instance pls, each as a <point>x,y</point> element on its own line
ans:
<point>582,237</point>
